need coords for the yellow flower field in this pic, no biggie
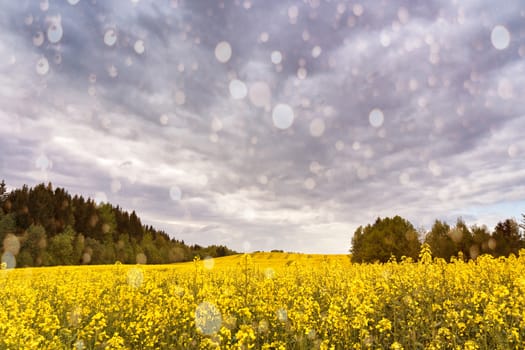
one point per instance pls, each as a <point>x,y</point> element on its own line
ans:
<point>267,301</point>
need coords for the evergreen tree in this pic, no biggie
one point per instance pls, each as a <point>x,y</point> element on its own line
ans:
<point>385,238</point>
<point>507,237</point>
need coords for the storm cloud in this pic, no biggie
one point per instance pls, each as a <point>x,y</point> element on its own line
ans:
<point>269,124</point>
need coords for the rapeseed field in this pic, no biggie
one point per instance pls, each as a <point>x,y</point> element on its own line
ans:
<point>268,301</point>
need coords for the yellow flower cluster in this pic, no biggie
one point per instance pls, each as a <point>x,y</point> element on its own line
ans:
<point>267,301</point>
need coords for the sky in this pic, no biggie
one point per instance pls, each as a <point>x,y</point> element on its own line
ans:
<point>269,124</point>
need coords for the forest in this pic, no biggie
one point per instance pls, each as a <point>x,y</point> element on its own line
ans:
<point>395,238</point>
<point>46,226</point>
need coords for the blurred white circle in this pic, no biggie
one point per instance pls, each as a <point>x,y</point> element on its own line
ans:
<point>376,118</point>
<point>223,52</point>
<point>282,116</point>
<point>500,37</point>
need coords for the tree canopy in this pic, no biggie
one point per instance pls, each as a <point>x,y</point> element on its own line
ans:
<point>51,227</point>
<point>386,238</point>
<point>396,237</point>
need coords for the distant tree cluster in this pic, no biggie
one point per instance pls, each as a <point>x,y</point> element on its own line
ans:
<point>397,237</point>
<point>42,226</point>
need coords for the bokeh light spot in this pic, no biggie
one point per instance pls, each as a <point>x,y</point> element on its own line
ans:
<point>110,37</point>
<point>42,66</point>
<point>54,32</point>
<point>8,260</point>
<point>403,15</point>
<point>309,183</point>
<point>376,118</point>
<point>276,57</point>
<point>434,168</point>
<point>208,318</point>
<point>317,127</point>
<point>216,124</point>
<point>269,273</point>
<point>513,151</point>
<point>293,12</point>
<point>500,37</point>
<point>164,119</point>
<point>282,315</point>
<point>180,97</point>
<point>404,179</point>
<point>100,197</point>
<point>384,38</point>
<point>11,244</point>
<point>260,94</point>
<point>139,47</point>
<point>43,163</point>
<point>115,186</point>
<point>175,193</point>
<point>358,9</point>
<point>208,263</point>
<point>316,51</point>
<point>141,259</point>
<point>264,37</point>
<point>505,89</point>
<point>38,39</point>
<point>302,73</point>
<point>282,116</point>
<point>135,277</point>
<point>238,89</point>
<point>223,52</point>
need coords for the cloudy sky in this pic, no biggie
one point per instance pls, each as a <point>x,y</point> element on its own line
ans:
<point>269,124</point>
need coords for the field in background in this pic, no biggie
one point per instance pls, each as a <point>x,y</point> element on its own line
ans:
<point>277,260</point>
<point>268,301</point>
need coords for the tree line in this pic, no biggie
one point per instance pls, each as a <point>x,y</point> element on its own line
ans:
<point>43,226</point>
<point>396,237</point>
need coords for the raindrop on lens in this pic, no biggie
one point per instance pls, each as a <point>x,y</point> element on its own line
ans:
<point>316,51</point>
<point>500,37</point>
<point>238,89</point>
<point>180,97</point>
<point>38,38</point>
<point>208,262</point>
<point>54,33</point>
<point>317,127</point>
<point>100,197</point>
<point>139,47</point>
<point>175,193</point>
<point>135,277</point>
<point>282,315</point>
<point>110,37</point>
<point>376,118</point>
<point>141,259</point>
<point>276,57</point>
<point>260,94</point>
<point>208,318</point>
<point>164,119</point>
<point>43,163</point>
<point>269,273</point>
<point>282,116</point>
<point>115,186</point>
<point>309,183</point>
<point>8,260</point>
<point>223,52</point>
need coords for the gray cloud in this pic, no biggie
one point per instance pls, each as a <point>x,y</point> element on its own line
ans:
<point>130,126</point>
